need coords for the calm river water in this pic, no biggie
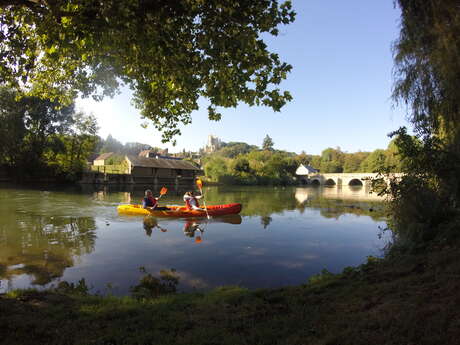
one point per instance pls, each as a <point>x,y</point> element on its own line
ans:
<point>283,236</point>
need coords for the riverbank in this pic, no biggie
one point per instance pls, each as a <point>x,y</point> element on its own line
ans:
<point>409,299</point>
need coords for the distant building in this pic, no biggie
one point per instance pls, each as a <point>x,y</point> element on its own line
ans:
<point>214,143</point>
<point>100,160</point>
<point>163,170</point>
<point>304,170</point>
<point>149,171</point>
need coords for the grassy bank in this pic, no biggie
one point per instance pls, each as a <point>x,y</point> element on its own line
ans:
<point>411,299</point>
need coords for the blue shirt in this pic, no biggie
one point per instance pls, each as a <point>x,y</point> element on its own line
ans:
<point>148,202</point>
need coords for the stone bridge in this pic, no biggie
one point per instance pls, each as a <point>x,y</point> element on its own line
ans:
<point>340,179</point>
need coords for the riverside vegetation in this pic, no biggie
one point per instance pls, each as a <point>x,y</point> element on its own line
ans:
<point>409,297</point>
<point>42,139</point>
<point>241,163</point>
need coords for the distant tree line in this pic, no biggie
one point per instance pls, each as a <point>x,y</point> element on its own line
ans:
<point>241,163</point>
<point>110,144</point>
<point>337,161</point>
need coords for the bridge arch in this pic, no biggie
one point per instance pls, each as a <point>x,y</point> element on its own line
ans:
<point>329,182</point>
<point>355,182</point>
<point>315,182</point>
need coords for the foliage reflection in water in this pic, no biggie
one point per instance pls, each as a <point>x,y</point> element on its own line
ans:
<point>283,236</point>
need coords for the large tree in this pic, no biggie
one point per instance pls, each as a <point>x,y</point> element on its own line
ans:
<point>169,52</point>
<point>427,70</point>
<point>40,136</point>
<point>427,56</point>
<point>12,128</point>
<point>29,127</point>
<point>427,66</point>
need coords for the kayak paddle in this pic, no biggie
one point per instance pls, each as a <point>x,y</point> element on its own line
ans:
<point>163,191</point>
<point>199,184</point>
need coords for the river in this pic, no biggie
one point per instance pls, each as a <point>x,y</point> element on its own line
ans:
<point>283,236</point>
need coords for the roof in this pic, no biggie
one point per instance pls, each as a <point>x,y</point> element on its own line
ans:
<point>104,156</point>
<point>305,170</point>
<point>138,161</point>
<point>146,152</point>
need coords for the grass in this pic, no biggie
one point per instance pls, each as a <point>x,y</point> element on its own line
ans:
<point>408,299</point>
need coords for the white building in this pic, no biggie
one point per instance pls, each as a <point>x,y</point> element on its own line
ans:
<point>304,170</point>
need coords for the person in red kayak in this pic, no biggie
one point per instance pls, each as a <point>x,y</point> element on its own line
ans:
<point>191,201</point>
<point>151,203</point>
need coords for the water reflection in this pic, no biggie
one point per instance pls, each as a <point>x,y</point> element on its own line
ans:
<point>332,202</point>
<point>151,223</point>
<point>357,193</point>
<point>282,236</point>
<point>266,201</point>
<point>192,227</point>
<point>43,246</point>
<point>265,221</point>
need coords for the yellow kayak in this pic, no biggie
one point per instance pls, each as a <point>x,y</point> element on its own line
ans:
<point>181,211</point>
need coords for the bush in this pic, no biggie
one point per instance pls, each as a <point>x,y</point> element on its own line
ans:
<point>417,209</point>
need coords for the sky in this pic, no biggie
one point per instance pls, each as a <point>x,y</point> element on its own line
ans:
<point>341,84</point>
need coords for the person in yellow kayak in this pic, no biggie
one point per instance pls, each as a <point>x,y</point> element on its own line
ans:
<point>191,201</point>
<point>151,203</point>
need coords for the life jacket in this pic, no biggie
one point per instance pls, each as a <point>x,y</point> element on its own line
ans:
<point>188,205</point>
<point>150,202</point>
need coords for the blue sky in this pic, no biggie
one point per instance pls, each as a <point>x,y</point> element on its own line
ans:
<point>341,83</point>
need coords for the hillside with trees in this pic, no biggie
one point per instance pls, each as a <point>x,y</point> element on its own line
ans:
<point>241,163</point>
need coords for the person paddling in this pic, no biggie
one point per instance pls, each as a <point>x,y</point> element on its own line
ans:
<point>151,203</point>
<point>191,201</point>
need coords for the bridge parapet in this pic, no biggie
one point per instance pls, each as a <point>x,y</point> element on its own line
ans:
<point>341,179</point>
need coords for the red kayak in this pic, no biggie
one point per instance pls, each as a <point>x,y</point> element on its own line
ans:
<point>181,211</point>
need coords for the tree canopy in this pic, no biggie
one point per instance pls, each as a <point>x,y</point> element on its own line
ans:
<point>233,149</point>
<point>170,53</point>
<point>427,65</point>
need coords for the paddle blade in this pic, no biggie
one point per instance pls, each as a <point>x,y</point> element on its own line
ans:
<point>199,184</point>
<point>163,191</point>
